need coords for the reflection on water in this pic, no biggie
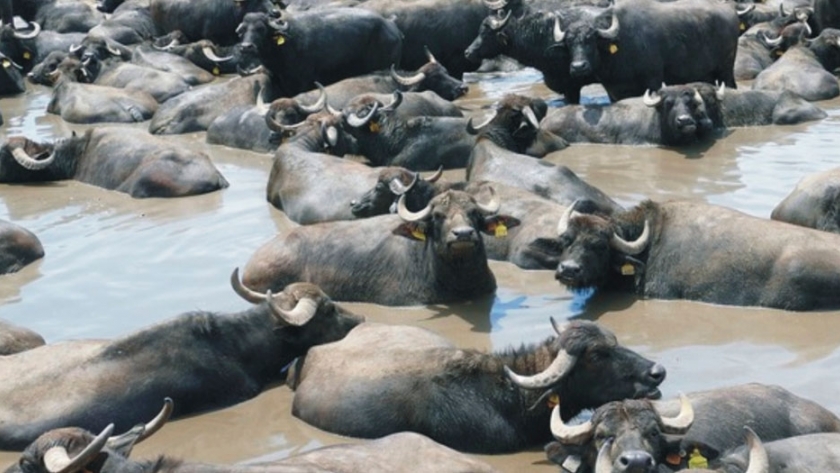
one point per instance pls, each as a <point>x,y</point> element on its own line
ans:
<point>115,264</point>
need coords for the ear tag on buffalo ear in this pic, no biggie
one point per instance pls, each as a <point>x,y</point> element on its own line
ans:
<point>499,232</point>
<point>697,460</point>
<point>418,233</point>
<point>27,55</point>
<point>553,401</point>
<point>374,127</point>
<point>628,269</point>
<point>6,63</point>
<point>673,459</point>
<point>280,40</point>
<point>613,48</point>
<point>743,26</point>
<point>216,71</point>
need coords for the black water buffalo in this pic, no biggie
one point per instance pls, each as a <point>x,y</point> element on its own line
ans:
<point>15,339</point>
<point>324,46</point>
<point>43,72</point>
<point>740,108</point>
<point>814,203</point>
<point>59,16</point>
<point>393,182</point>
<point>397,378</point>
<point>18,246</point>
<point>216,20</point>
<point>30,48</point>
<point>826,15</point>
<point>202,360</point>
<point>203,53</point>
<point>131,23</point>
<point>515,125</point>
<point>11,77</point>
<point>148,56</point>
<point>755,53</point>
<point>665,251</point>
<point>641,436</point>
<point>640,44</point>
<point>434,255</point>
<point>404,452</point>
<point>121,159</point>
<point>814,452</point>
<point>806,69</point>
<point>676,115</point>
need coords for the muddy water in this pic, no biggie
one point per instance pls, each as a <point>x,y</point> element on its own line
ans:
<point>115,264</point>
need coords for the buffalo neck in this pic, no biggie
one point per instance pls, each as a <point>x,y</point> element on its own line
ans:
<point>463,276</point>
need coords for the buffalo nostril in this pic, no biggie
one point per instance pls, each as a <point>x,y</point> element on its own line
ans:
<point>635,461</point>
<point>569,268</point>
<point>685,120</point>
<point>657,373</point>
<point>463,233</point>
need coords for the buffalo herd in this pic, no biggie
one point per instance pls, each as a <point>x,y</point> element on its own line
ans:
<point>352,100</point>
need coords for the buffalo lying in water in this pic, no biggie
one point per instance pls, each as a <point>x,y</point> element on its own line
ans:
<point>396,378</point>
<point>814,203</point>
<point>806,69</point>
<point>18,246</point>
<point>15,339</point>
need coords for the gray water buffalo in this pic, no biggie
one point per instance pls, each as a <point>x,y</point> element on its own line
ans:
<point>59,16</point>
<point>18,246</point>
<point>323,46</point>
<point>755,53</point>
<point>688,250</point>
<point>806,69</point>
<point>814,203</point>
<point>202,360</point>
<point>43,72</point>
<point>30,48</point>
<point>131,23</point>
<point>741,108</point>
<point>430,256</point>
<point>640,44</point>
<point>146,55</point>
<point>676,115</point>
<point>642,436</point>
<point>121,159</point>
<point>804,453</point>
<point>15,339</point>
<point>124,75</point>
<point>397,378</point>
<point>215,20</point>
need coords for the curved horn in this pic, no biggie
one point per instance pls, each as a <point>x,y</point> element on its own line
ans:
<point>557,326</point>
<point>429,55</point>
<point>274,125</point>
<point>319,104</point>
<point>770,42</point>
<point>563,223</point>
<point>476,129</point>
<point>603,464</point>
<point>36,28</point>
<point>681,423</point>
<point>168,47</point>
<point>651,100</point>
<point>434,177</point>
<point>302,313</point>
<point>558,368</point>
<point>74,48</point>
<point>495,5</point>
<point>159,421</point>
<point>782,11</point>
<point>759,463</point>
<point>612,31</point>
<point>746,10</point>
<point>113,50</point>
<point>808,31</point>
<point>559,34</point>
<point>631,247</point>
<point>211,55</point>
<point>397,187</point>
<point>278,25</point>
<point>407,81</point>
<point>569,434</point>
<point>497,24</point>
<point>720,91</point>
<point>410,216</point>
<point>357,122</point>
<point>490,207</point>
<point>246,293</point>
<point>531,116</point>
<point>333,112</point>
<point>698,99</point>
<point>56,459</point>
<point>395,102</point>
<point>28,162</point>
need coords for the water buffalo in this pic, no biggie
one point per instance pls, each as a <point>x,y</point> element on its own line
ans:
<point>440,244</point>
<point>814,452</point>
<point>664,251</point>
<point>216,20</point>
<point>740,108</point>
<point>59,16</point>
<point>754,53</point>
<point>15,339</point>
<point>640,44</point>
<point>18,246</point>
<point>324,46</point>
<point>393,182</point>
<point>11,77</point>
<point>203,53</point>
<point>121,159</point>
<point>202,360</point>
<point>43,73</point>
<point>131,23</point>
<point>159,84</point>
<point>515,126</point>
<point>826,15</point>
<point>814,203</point>
<point>399,378</point>
<point>642,435</point>
<point>146,55</point>
<point>30,48</point>
<point>676,115</point>
<point>806,69</point>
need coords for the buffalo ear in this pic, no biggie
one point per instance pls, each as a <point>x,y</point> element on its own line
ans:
<point>498,225</point>
<point>628,265</point>
<point>412,230</point>
<point>547,246</point>
<point>558,453</point>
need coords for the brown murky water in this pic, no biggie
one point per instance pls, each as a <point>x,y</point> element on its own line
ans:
<point>115,264</point>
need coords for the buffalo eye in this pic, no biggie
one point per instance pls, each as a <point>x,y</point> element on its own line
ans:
<point>601,437</point>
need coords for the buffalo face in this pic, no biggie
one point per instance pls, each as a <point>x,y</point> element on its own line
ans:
<point>685,114</point>
<point>432,76</point>
<point>826,47</point>
<point>589,33</point>
<point>493,38</point>
<point>257,33</point>
<point>16,45</point>
<point>23,160</point>
<point>392,183</point>
<point>43,72</point>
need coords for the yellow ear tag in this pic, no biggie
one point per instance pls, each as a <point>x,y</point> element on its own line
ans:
<point>418,234</point>
<point>743,26</point>
<point>27,55</point>
<point>613,48</point>
<point>216,70</point>
<point>553,401</point>
<point>6,63</point>
<point>280,40</point>
<point>501,231</point>
<point>628,269</point>
<point>374,127</point>
<point>696,460</point>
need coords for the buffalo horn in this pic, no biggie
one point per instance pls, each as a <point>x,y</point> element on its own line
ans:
<point>569,434</point>
<point>563,223</point>
<point>74,48</point>
<point>746,10</point>
<point>429,55</point>
<point>240,29</point>
<point>274,125</point>
<point>651,100</point>
<point>837,41</point>
<point>113,50</point>
<point>698,99</point>
<point>759,463</point>
<point>397,187</point>
<point>631,247</point>
<point>558,368</point>
<point>603,463</point>
<point>720,91</point>
<point>407,81</point>
<point>782,12</point>
<point>681,423</point>
<point>278,25</point>
<point>246,293</point>
<point>395,102</point>
<point>612,31</point>
<point>56,459</point>
<point>809,31</point>
<point>330,134</point>
<point>410,216</point>
<point>531,116</point>
<point>302,313</point>
<point>319,104</point>
<point>495,5</point>
<point>23,158</point>
<point>150,428</point>
<point>36,28</point>
<point>558,328</point>
<point>211,55</point>
<point>496,24</point>
<point>434,177</point>
<point>771,42</point>
<point>476,129</point>
<point>491,207</point>
<point>357,122</point>
<point>559,34</point>
<point>168,47</point>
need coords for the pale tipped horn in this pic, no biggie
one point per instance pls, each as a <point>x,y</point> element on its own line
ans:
<point>113,50</point>
<point>211,55</point>
<point>559,34</point>
<point>493,205</point>
<point>697,97</point>
<point>720,91</point>
<point>56,459</point>
<point>558,368</point>
<point>74,48</point>
<point>303,312</point>
<point>612,31</point>
<point>149,428</point>
<point>429,55</point>
<point>319,104</point>
<point>771,42</point>
<point>603,464</point>
<point>631,247</point>
<point>244,292</point>
<point>36,28</point>
<point>496,5</point>
<point>28,162</point>
<point>407,81</point>
<point>746,10</point>
<point>168,47</point>
<point>569,434</point>
<point>651,100</point>
<point>682,422</point>
<point>563,223</point>
<point>410,216</point>
<point>437,175</point>
<point>398,188</point>
<point>476,129</point>
<point>395,102</point>
<point>759,462</point>
<point>358,122</point>
<point>531,116</point>
<point>497,23</point>
<point>782,11</point>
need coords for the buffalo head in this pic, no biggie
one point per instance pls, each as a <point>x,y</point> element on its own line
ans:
<point>325,128</point>
<point>687,113</point>
<point>586,34</point>
<point>11,76</point>
<point>494,37</point>
<point>431,76</point>
<point>42,73</point>
<point>826,47</point>
<point>515,125</point>
<point>101,49</point>
<point>258,35</point>
<point>23,160</point>
<point>289,112</point>
<point>18,45</point>
<point>394,182</point>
